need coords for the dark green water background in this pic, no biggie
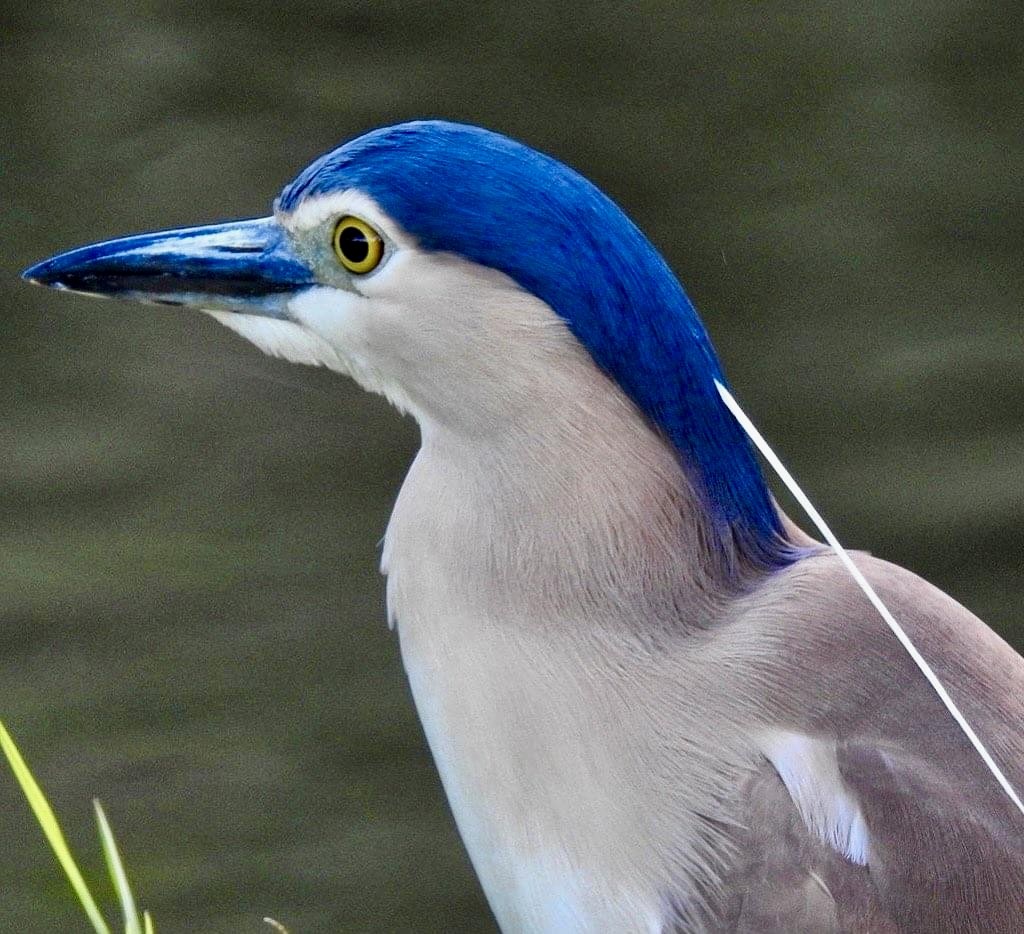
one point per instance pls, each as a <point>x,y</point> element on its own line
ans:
<point>191,620</point>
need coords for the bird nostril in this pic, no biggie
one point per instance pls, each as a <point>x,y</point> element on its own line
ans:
<point>241,248</point>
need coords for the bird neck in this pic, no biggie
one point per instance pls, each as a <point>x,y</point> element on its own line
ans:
<point>577,503</point>
<point>641,329</point>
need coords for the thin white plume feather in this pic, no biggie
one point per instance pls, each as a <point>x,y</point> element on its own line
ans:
<point>869,591</point>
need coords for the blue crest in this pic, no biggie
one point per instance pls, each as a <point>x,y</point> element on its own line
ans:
<point>464,190</point>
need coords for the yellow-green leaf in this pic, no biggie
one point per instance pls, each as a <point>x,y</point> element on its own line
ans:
<point>118,876</point>
<point>51,829</point>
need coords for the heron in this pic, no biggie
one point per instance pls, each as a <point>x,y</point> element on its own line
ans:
<point>655,703</point>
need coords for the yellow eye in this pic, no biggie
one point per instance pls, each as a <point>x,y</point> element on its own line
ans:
<point>357,245</point>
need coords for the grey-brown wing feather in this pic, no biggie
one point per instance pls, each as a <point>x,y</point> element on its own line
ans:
<point>935,864</point>
<point>945,846</point>
<point>938,861</point>
<point>786,880</point>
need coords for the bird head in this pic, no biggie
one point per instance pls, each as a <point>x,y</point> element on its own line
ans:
<point>458,272</point>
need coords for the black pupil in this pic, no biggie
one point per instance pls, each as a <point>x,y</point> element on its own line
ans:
<point>353,244</point>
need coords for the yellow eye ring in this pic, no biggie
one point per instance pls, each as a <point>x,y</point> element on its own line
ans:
<point>357,245</point>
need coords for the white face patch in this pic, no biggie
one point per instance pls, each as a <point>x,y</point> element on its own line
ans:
<point>439,336</point>
<point>331,324</point>
<point>320,210</point>
<point>345,322</point>
<point>282,339</point>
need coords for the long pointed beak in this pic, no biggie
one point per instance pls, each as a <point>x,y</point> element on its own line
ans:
<point>246,266</point>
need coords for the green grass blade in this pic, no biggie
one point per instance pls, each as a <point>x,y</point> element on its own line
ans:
<point>51,829</point>
<point>147,923</point>
<point>117,874</point>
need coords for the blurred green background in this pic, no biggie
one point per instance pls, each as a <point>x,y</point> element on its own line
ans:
<point>192,621</point>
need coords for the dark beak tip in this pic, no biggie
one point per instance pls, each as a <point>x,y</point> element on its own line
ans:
<point>38,274</point>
